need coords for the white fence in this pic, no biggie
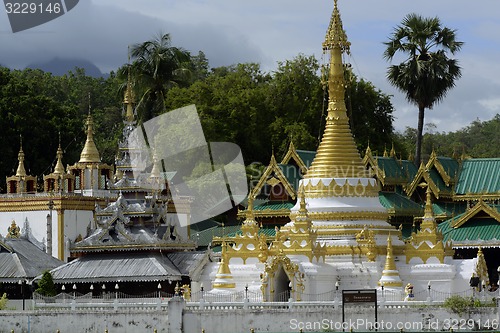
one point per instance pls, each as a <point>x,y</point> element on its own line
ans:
<point>242,299</point>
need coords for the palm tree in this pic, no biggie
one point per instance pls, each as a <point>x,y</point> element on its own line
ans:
<point>157,67</point>
<point>427,74</point>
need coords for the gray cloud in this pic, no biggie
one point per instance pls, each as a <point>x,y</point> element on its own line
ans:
<point>232,31</point>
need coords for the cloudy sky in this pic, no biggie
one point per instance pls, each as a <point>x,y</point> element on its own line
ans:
<point>233,31</point>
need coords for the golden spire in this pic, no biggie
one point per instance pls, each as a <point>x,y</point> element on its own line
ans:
<point>481,269</point>
<point>390,265</point>
<point>59,168</point>
<point>392,153</point>
<point>250,226</point>
<point>337,155</point>
<point>302,220</point>
<point>21,171</point>
<point>90,154</point>
<point>390,275</point>
<point>428,214</point>
<point>368,150</point>
<point>129,97</point>
<point>223,278</point>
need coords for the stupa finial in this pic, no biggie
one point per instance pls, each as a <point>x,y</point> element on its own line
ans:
<point>90,154</point>
<point>337,155</point>
<point>21,171</point>
<point>129,97</point>
<point>59,168</point>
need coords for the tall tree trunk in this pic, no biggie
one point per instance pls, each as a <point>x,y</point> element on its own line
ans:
<point>420,129</point>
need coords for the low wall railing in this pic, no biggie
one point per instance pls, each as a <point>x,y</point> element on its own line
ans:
<point>242,299</point>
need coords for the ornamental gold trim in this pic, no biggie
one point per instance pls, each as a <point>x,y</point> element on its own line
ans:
<point>342,216</point>
<point>333,189</point>
<point>481,206</point>
<point>36,203</point>
<point>292,154</point>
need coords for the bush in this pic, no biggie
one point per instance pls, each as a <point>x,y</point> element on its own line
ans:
<point>459,304</point>
<point>3,301</point>
<point>46,285</point>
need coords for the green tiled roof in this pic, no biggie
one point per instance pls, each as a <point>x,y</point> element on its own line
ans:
<point>307,156</point>
<point>399,205</point>
<point>473,231</point>
<point>436,177</point>
<point>409,169</point>
<point>448,208</point>
<point>450,165</point>
<point>479,176</point>
<point>204,237</point>
<point>391,168</point>
<point>292,174</point>
<point>269,232</point>
<point>202,225</point>
<point>273,205</point>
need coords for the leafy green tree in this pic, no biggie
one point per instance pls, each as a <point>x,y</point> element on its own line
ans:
<point>232,107</point>
<point>200,67</point>
<point>46,285</point>
<point>157,67</point>
<point>370,114</point>
<point>427,74</point>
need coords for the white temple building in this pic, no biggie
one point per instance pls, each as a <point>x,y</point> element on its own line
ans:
<point>339,234</point>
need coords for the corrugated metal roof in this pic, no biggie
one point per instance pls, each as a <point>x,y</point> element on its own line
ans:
<point>187,262</point>
<point>436,177</point>
<point>392,169</point>
<point>450,165</point>
<point>117,267</point>
<point>448,208</point>
<point>22,259</point>
<point>479,176</point>
<point>399,205</point>
<point>475,230</point>
<point>409,169</point>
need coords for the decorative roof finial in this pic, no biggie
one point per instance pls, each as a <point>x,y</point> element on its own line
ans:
<point>21,171</point>
<point>90,154</point>
<point>59,168</point>
<point>392,153</point>
<point>129,97</point>
<point>335,35</point>
<point>428,203</point>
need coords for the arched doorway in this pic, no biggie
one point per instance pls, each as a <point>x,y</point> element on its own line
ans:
<point>282,286</point>
<point>281,280</point>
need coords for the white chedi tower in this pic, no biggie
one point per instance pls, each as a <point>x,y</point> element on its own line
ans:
<point>341,195</point>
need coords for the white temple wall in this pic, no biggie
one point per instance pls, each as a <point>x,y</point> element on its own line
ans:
<point>189,318</point>
<point>37,221</point>
<point>75,223</point>
<point>330,319</point>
